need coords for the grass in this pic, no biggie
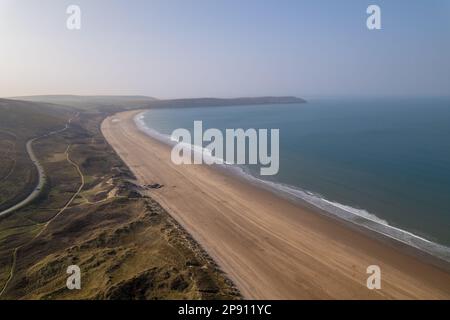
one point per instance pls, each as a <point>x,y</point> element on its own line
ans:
<point>19,122</point>
<point>126,245</point>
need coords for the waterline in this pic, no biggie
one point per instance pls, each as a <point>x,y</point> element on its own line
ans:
<point>358,217</point>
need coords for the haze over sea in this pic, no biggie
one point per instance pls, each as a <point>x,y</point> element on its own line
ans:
<point>385,159</point>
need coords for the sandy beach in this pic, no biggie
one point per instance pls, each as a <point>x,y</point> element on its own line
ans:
<point>270,247</point>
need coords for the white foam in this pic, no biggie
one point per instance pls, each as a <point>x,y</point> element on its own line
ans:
<point>359,212</point>
<point>207,153</point>
<point>356,216</point>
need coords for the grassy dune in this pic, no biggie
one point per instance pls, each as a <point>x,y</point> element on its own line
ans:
<point>19,122</point>
<point>126,245</point>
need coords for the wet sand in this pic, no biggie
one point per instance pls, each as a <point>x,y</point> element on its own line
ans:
<point>270,247</point>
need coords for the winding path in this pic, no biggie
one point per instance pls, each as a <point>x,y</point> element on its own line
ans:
<point>47,223</point>
<point>41,173</point>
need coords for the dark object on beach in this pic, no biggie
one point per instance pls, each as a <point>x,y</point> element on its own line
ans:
<point>154,186</point>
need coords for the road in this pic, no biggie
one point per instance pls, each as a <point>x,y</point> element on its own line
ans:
<point>41,173</point>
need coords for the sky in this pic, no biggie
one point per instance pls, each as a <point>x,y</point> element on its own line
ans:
<point>225,48</point>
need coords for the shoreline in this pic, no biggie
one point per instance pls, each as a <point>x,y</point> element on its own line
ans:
<point>364,222</point>
<point>270,247</point>
<point>441,262</point>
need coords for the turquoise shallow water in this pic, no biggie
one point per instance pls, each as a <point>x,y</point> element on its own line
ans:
<point>384,159</point>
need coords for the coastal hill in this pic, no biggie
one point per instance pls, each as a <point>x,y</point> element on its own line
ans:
<point>29,119</point>
<point>92,103</point>
<point>19,122</point>
<point>121,103</point>
<point>217,102</point>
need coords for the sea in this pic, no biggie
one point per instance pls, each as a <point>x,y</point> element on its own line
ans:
<point>380,163</point>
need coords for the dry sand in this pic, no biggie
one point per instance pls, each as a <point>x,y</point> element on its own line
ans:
<point>271,248</point>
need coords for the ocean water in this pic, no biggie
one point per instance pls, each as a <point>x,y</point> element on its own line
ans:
<point>380,163</point>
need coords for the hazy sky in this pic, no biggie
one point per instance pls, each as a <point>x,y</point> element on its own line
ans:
<point>225,48</point>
